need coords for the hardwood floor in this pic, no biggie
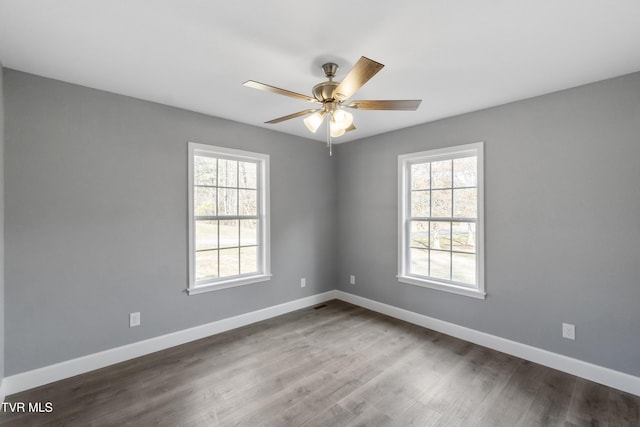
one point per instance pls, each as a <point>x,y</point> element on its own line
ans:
<point>333,365</point>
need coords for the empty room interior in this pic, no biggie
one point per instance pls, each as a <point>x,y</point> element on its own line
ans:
<point>335,214</point>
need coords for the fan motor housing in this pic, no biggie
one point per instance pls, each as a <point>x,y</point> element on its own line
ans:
<point>323,92</point>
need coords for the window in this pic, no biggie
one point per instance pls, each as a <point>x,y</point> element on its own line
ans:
<point>440,238</point>
<point>228,218</point>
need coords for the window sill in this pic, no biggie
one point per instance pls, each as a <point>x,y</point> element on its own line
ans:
<point>232,283</point>
<point>460,290</point>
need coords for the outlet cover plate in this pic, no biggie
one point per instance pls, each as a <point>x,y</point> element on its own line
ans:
<point>134,319</point>
<point>569,331</point>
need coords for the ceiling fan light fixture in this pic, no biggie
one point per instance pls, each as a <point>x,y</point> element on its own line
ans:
<point>330,95</point>
<point>336,130</point>
<point>314,121</point>
<point>343,119</point>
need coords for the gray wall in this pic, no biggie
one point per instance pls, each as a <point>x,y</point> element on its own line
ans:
<point>1,224</point>
<point>96,220</point>
<point>562,221</point>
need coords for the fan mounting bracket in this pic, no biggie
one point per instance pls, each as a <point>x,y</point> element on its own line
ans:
<point>330,69</point>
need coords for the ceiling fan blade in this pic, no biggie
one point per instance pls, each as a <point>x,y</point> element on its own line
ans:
<point>406,105</point>
<point>364,69</point>
<point>268,88</point>
<point>292,116</point>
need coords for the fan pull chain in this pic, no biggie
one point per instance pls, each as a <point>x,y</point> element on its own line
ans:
<point>329,137</point>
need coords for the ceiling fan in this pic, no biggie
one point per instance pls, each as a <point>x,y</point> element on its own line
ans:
<point>332,99</point>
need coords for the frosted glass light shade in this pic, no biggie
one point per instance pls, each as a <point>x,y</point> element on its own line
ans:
<point>335,130</point>
<point>342,118</point>
<point>314,121</point>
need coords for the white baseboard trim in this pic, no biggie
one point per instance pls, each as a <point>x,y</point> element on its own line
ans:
<point>589,371</point>
<point>47,374</point>
<point>69,368</point>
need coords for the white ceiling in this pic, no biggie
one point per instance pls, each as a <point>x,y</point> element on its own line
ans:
<point>457,56</point>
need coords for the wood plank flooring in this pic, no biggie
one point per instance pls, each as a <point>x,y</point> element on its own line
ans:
<point>332,365</point>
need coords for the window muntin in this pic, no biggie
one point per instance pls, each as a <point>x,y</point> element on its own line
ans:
<point>228,222</point>
<point>440,212</point>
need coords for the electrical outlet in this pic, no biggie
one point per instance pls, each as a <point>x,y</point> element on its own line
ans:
<point>352,279</point>
<point>134,319</point>
<point>568,331</point>
<point>303,282</point>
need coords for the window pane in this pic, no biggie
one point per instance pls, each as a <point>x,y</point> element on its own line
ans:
<point>465,172</point>
<point>465,203</point>
<point>419,261</point>
<point>230,222</point>
<point>248,260</point>
<point>206,265</point>
<point>248,175</point>
<point>464,268</point>
<point>420,203</point>
<point>420,234</point>
<point>227,173</point>
<point>229,233</point>
<point>248,202</point>
<point>441,203</point>
<point>440,264</point>
<point>420,176</point>
<point>441,220</point>
<point>206,235</point>
<point>204,170</point>
<point>227,202</point>
<point>204,201</point>
<point>248,232</point>
<point>441,235</point>
<point>463,235</point>
<point>229,262</point>
<point>441,174</point>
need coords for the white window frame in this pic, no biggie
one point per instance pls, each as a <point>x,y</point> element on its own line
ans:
<point>404,213</point>
<point>264,252</point>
